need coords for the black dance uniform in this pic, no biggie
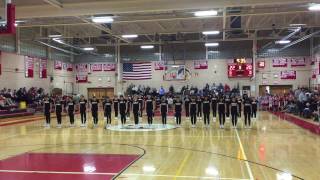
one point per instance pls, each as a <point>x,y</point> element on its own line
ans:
<point>94,110</point>
<point>123,109</point>
<point>135,110</point>
<point>71,105</point>
<point>247,112</point>
<point>58,107</point>
<point>178,110</point>
<point>107,110</point>
<point>164,111</point>
<point>199,104</point>
<point>240,107</point>
<point>214,102</point>
<point>254,108</point>
<point>228,102</point>
<point>234,113</point>
<point>149,110</point>
<point>140,100</point>
<point>186,106</point>
<point>193,112</point>
<point>83,109</point>
<point>47,109</point>
<point>116,107</point>
<point>222,111</point>
<point>206,111</point>
<point>129,102</point>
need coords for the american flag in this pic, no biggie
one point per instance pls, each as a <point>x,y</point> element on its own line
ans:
<point>136,71</point>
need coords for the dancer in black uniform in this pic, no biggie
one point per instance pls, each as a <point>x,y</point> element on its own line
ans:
<point>221,112</point>
<point>83,110</point>
<point>149,104</point>
<point>239,101</point>
<point>141,103</point>
<point>234,112</point>
<point>116,107</point>
<point>129,104</point>
<point>107,106</point>
<point>136,110</point>
<point>186,106</point>
<point>123,109</point>
<point>178,109</point>
<point>254,105</point>
<point>199,108</point>
<point>247,112</point>
<point>164,110</point>
<point>71,109</point>
<point>206,111</point>
<point>214,101</point>
<point>58,107</point>
<point>193,111</point>
<point>47,111</point>
<point>227,102</point>
<point>94,110</point>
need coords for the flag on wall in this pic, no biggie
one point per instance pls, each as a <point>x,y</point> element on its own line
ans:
<point>200,64</point>
<point>43,68</point>
<point>136,71</point>
<point>28,67</point>
<point>280,62</point>
<point>298,62</point>
<point>288,74</point>
<point>82,73</point>
<point>57,65</point>
<point>159,66</point>
<point>109,67</point>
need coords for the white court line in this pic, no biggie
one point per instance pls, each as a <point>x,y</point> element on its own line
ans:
<point>125,174</point>
<point>244,157</point>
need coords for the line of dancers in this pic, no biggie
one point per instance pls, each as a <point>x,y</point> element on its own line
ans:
<point>194,107</point>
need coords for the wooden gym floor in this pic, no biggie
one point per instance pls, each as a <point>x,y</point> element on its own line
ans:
<point>273,149</point>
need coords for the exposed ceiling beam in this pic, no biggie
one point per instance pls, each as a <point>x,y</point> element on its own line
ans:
<point>54,3</point>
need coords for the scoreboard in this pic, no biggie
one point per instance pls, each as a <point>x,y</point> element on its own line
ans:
<point>240,68</point>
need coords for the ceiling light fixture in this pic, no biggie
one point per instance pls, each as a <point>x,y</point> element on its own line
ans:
<point>102,20</point>
<point>206,13</point>
<point>54,35</point>
<point>211,44</point>
<point>147,47</point>
<point>211,32</point>
<point>128,36</point>
<point>88,48</point>
<point>314,7</point>
<point>283,42</point>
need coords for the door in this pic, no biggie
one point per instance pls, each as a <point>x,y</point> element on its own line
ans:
<point>100,93</point>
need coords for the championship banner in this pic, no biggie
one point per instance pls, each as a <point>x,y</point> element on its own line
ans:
<point>109,67</point>
<point>289,74</point>
<point>200,64</point>
<point>314,73</point>
<point>43,68</point>
<point>159,66</point>
<point>298,62</point>
<point>96,67</point>
<point>280,62</point>
<point>57,65</point>
<point>69,67</point>
<point>82,73</point>
<point>28,67</point>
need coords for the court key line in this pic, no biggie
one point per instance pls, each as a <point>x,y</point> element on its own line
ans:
<point>244,157</point>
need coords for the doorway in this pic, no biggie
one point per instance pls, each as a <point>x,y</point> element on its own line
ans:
<point>100,93</point>
<point>274,89</point>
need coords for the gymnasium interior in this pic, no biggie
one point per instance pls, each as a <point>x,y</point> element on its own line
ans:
<point>159,89</point>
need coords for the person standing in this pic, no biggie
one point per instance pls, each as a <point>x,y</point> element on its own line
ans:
<point>186,106</point>
<point>234,112</point>
<point>149,104</point>
<point>129,104</point>
<point>116,107</point>
<point>247,112</point>
<point>206,111</point>
<point>164,110</point>
<point>199,108</point>
<point>83,109</point>
<point>214,101</point>
<point>123,110</point>
<point>94,110</point>
<point>58,108</point>
<point>178,110</point>
<point>254,105</point>
<point>70,110</point>
<point>141,103</point>
<point>239,101</point>
<point>107,111</point>
<point>193,112</point>
<point>136,109</point>
<point>221,112</point>
<point>47,111</point>
<point>228,102</point>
